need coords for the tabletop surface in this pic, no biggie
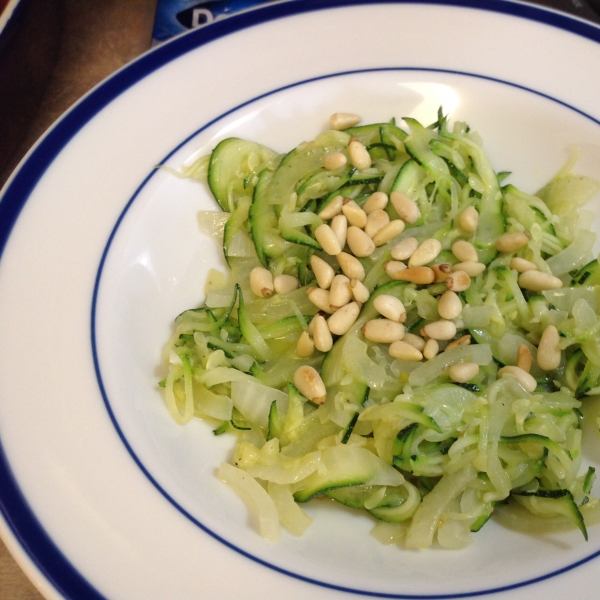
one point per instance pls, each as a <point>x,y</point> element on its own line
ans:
<point>95,39</point>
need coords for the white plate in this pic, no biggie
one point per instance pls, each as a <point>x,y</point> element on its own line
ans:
<point>102,494</point>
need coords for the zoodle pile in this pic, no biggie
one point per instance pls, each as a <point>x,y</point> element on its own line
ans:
<point>400,331</point>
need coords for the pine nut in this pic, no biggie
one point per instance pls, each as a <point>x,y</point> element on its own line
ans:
<point>341,321</point>
<point>404,250</point>
<point>417,275</point>
<point>440,330</point>
<point>461,342</point>
<point>389,232</point>
<point>311,325</point>
<point>332,208</point>
<point>341,121</point>
<point>458,281</point>
<point>376,201</point>
<point>305,346</point>
<point>525,379</point>
<point>427,252</point>
<point>449,305</point>
<point>463,372</point>
<point>360,292</point>
<point>383,331</point>
<point>441,272</point>
<point>321,335</point>
<point>469,219</point>
<point>431,349</point>
<point>339,293</point>
<point>334,160</point>
<point>323,271</point>
<point>284,284</point>
<point>354,213</point>
<point>471,268</point>
<point>376,220</point>
<point>548,354</point>
<point>392,267</point>
<point>521,265</point>
<point>406,207</point>
<point>536,281</point>
<point>320,298</point>
<point>414,340</point>
<point>465,251</point>
<point>339,226</point>
<point>404,351</point>
<point>510,242</point>
<point>351,266</point>
<point>359,242</point>
<point>524,359</point>
<point>328,240</point>
<point>309,384</point>
<point>390,307</point>
<point>359,155</point>
<point>261,282</point>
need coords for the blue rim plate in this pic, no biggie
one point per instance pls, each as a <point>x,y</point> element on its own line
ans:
<point>103,497</point>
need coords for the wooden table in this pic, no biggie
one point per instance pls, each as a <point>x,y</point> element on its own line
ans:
<point>97,38</point>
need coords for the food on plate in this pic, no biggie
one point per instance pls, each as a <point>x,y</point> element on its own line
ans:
<point>400,330</point>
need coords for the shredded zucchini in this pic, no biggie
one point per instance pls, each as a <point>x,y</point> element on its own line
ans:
<point>384,381</point>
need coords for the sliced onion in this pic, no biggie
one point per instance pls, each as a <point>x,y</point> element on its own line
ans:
<point>389,533</point>
<point>219,298</point>
<point>454,535</point>
<point>256,498</point>
<point>213,405</point>
<point>565,298</point>
<point>477,316</point>
<point>360,365</point>
<point>241,245</point>
<point>253,399</point>
<point>212,222</point>
<point>223,375</point>
<point>292,517</point>
<point>573,257</point>
<point>425,520</point>
<point>584,315</point>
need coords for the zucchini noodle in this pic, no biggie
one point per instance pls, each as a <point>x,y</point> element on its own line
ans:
<point>431,388</point>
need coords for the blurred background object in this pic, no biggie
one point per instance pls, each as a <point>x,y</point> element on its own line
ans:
<point>595,5</point>
<point>60,50</point>
<point>177,16</point>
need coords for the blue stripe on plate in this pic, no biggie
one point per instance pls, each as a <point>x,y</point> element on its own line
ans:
<point>26,528</point>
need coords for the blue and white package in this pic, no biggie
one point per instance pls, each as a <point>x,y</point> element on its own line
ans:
<point>177,16</point>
